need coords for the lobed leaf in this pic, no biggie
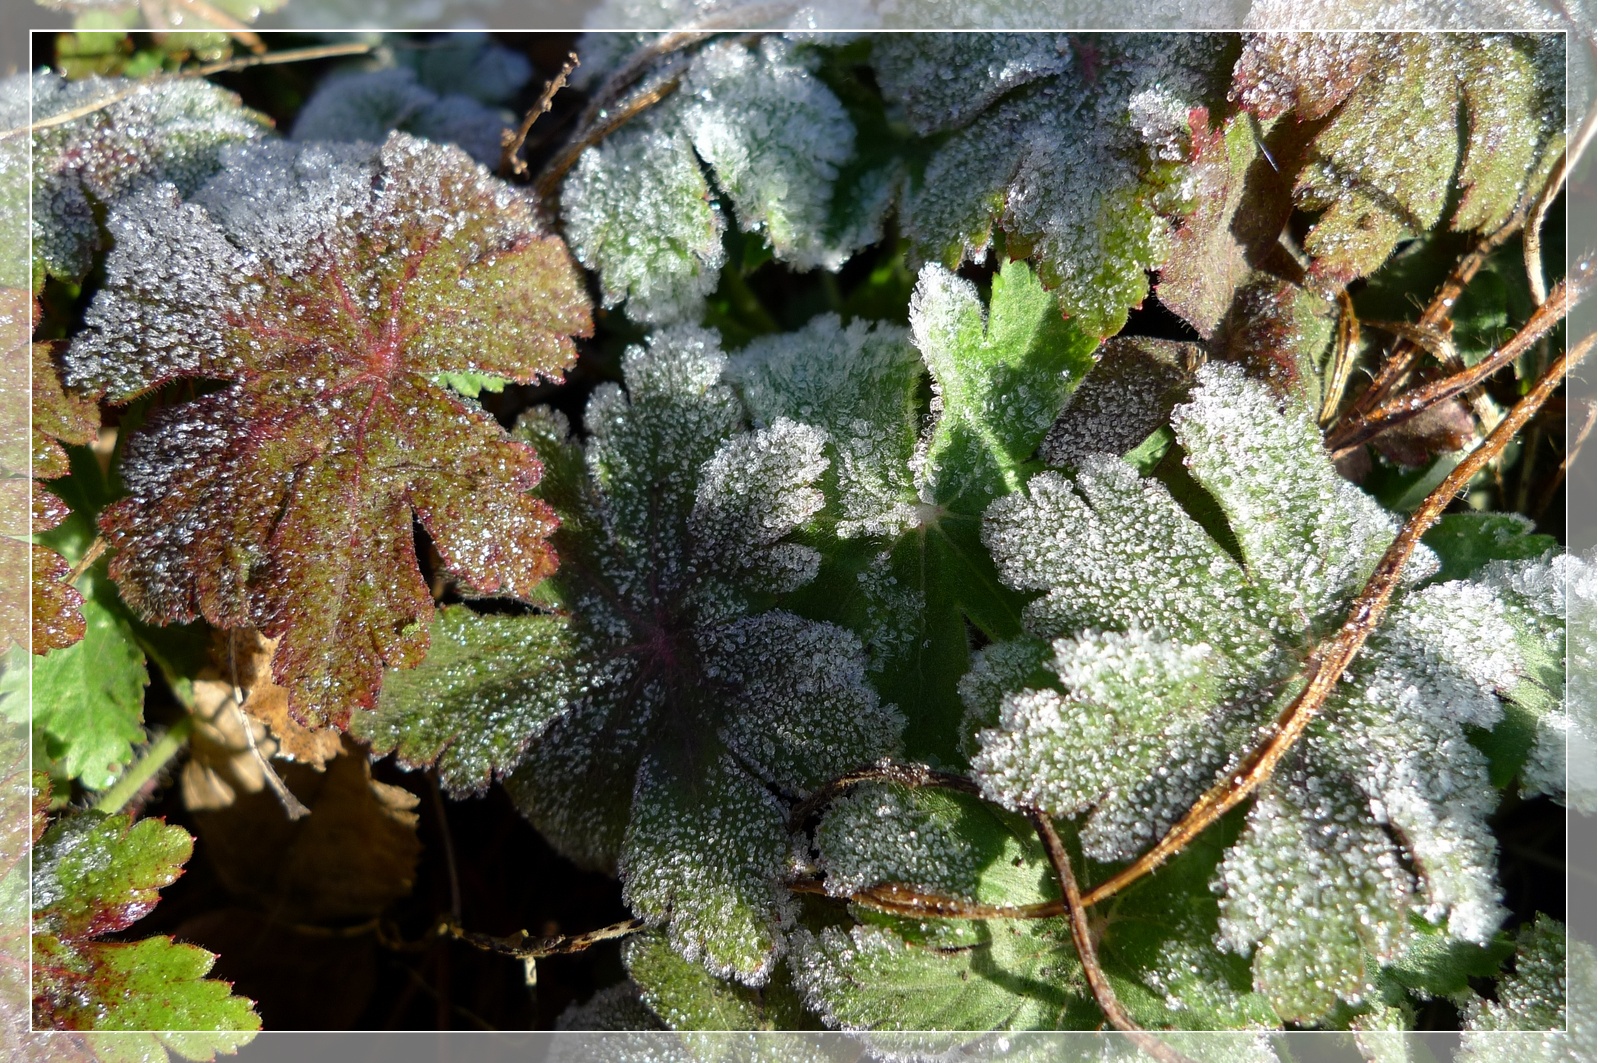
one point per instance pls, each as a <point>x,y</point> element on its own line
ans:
<point>167,130</point>
<point>97,874</point>
<point>687,715</point>
<point>284,501</point>
<point>1383,89</point>
<point>1206,648</point>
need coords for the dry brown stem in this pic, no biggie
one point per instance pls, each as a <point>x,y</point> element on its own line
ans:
<point>1332,657</point>
<point>510,161</point>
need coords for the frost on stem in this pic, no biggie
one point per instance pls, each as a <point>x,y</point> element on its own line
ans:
<point>1206,647</point>
<point>680,715</point>
<point>327,286</point>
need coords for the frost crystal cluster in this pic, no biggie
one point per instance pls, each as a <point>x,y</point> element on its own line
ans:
<point>977,433</point>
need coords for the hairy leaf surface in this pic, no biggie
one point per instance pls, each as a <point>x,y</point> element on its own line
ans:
<point>673,716</point>
<point>284,501</point>
<point>94,875</point>
<point>1170,650</point>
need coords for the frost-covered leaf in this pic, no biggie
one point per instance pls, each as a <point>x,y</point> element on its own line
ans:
<point>684,994</point>
<point>59,416</point>
<point>781,150</point>
<point>912,468</point>
<point>1015,974</point>
<point>1082,170</point>
<point>94,875</point>
<point>1279,332</point>
<point>1418,90</point>
<point>1169,652</point>
<point>1002,377</point>
<point>639,213</point>
<point>1550,992</point>
<point>170,130</point>
<point>284,501</point>
<point>1550,605</point>
<point>495,671</point>
<point>671,738</point>
<point>444,92</point>
<point>1128,394</point>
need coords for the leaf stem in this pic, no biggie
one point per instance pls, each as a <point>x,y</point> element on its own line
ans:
<point>1362,427</point>
<point>1333,656</point>
<point>523,946</point>
<point>160,753</point>
<point>510,161</point>
<point>1086,950</point>
<point>1532,241</point>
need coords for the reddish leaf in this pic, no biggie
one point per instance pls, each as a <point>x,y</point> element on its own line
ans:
<point>57,605</point>
<point>330,287</point>
<point>59,417</point>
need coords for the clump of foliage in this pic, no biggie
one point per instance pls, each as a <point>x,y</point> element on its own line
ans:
<point>927,632</point>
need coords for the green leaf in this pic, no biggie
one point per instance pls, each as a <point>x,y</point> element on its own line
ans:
<point>1170,652</point>
<point>285,500</point>
<point>1013,974</point>
<point>640,214</point>
<point>1505,90</point>
<point>94,875</point>
<point>1082,164</point>
<point>669,717</point>
<point>1550,991</point>
<point>88,706</point>
<point>498,672</point>
<point>1003,377</point>
<point>1465,542</point>
<point>684,994</point>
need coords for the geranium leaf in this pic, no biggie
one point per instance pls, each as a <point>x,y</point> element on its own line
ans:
<point>167,130</point>
<point>284,501</point>
<point>1548,993</point>
<point>97,874</point>
<point>671,739</point>
<point>1131,578</point>
<point>1505,90</point>
<point>495,671</point>
<point>645,180</point>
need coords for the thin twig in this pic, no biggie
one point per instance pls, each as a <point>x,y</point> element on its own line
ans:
<point>449,849</point>
<point>914,776</point>
<point>510,161</point>
<point>1532,241</point>
<point>293,807</point>
<point>96,548</point>
<point>523,946</point>
<point>897,898</point>
<point>1087,950</point>
<point>293,55</point>
<point>549,180</point>
<point>1333,657</point>
<point>219,20</point>
<point>1401,361</point>
<point>1357,430</point>
<point>747,17</point>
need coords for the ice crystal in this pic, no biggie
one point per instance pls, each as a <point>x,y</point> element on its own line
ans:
<point>156,131</point>
<point>328,304</point>
<point>680,715</point>
<point>1181,649</point>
